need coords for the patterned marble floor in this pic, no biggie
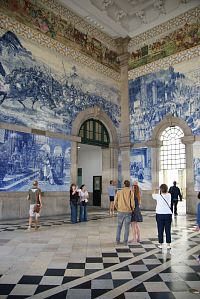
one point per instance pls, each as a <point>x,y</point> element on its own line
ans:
<point>81,261</point>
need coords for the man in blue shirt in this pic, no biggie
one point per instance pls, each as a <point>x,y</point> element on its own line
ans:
<point>111,192</point>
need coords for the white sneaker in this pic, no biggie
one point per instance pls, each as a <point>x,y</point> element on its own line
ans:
<point>168,247</point>
<point>29,229</point>
<point>160,246</point>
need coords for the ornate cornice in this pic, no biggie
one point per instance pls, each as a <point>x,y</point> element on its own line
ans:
<point>79,22</point>
<point>165,62</point>
<point>154,33</point>
<point>8,23</point>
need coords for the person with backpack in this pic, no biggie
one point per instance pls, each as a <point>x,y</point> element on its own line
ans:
<point>35,198</point>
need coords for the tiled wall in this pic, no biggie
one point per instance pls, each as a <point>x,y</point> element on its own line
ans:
<point>44,90</point>
<point>196,165</point>
<point>26,157</point>
<point>172,91</point>
<point>140,167</point>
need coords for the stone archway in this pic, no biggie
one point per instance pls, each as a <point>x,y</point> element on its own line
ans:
<point>98,114</point>
<point>109,155</point>
<point>188,140</point>
<point>171,121</point>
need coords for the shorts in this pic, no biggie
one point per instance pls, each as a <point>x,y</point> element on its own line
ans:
<point>32,213</point>
<point>112,198</point>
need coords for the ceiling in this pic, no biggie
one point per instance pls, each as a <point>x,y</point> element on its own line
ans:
<point>120,18</point>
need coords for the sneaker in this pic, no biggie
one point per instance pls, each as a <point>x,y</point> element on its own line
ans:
<point>168,247</point>
<point>160,246</point>
<point>117,243</point>
<point>29,229</point>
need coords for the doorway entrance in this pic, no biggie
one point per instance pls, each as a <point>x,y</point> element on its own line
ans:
<point>94,138</point>
<point>97,190</point>
<point>172,160</point>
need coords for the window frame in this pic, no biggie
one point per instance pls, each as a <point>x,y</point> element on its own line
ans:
<point>93,132</point>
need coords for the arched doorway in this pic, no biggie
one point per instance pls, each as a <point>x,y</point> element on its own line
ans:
<point>94,132</point>
<point>94,138</point>
<point>186,138</point>
<point>98,138</point>
<point>172,159</point>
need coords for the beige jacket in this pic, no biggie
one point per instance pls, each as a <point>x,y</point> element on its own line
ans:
<point>124,200</point>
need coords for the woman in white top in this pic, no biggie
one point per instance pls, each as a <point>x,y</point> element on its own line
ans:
<point>83,193</point>
<point>163,214</point>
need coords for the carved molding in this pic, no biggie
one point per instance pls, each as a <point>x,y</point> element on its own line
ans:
<point>8,23</point>
<point>164,28</point>
<point>164,62</point>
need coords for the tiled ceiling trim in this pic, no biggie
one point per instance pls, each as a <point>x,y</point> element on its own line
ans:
<point>40,18</point>
<point>186,36</point>
<point>128,17</point>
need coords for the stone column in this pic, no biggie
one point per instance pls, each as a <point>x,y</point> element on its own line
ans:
<point>125,114</point>
<point>109,171</point>
<point>190,193</point>
<point>74,162</point>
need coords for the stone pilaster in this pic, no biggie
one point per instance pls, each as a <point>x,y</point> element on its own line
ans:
<point>191,198</point>
<point>125,115</point>
<point>74,162</point>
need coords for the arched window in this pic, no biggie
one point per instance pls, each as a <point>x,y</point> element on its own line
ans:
<point>172,154</point>
<point>94,132</point>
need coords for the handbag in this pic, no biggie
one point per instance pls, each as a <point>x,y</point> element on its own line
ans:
<point>36,208</point>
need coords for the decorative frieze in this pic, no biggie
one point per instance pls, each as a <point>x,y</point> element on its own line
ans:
<point>8,23</point>
<point>38,17</point>
<point>165,62</point>
<point>79,22</point>
<point>164,28</point>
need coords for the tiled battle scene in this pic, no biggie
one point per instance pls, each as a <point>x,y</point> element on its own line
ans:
<point>82,261</point>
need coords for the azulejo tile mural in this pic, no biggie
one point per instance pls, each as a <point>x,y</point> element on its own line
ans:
<point>140,167</point>
<point>25,157</point>
<point>174,91</point>
<point>196,165</point>
<point>42,90</point>
<point>37,16</point>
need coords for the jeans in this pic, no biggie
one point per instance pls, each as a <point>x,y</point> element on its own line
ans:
<point>123,217</point>
<point>74,211</point>
<point>174,206</point>
<point>164,223</point>
<point>198,214</point>
<point>83,212</point>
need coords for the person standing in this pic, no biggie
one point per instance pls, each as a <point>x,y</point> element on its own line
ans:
<point>197,228</point>
<point>124,203</point>
<point>163,214</point>
<point>35,197</point>
<point>175,194</point>
<point>83,193</point>
<point>136,214</point>
<point>74,197</point>
<point>111,193</point>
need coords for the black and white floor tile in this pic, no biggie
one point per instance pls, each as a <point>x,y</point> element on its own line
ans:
<point>82,261</point>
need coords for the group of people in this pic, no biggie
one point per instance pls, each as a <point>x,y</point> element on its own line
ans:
<point>128,201</point>
<point>78,197</point>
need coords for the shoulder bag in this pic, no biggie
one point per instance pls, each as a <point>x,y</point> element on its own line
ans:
<point>166,202</point>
